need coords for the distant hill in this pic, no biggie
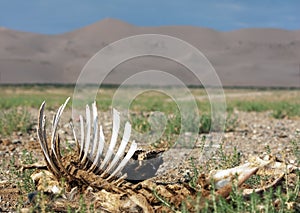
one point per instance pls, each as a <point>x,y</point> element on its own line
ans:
<point>246,57</point>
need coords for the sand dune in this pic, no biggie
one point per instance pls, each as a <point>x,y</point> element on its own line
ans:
<point>246,57</point>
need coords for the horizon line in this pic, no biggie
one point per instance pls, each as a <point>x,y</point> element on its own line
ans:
<point>146,26</point>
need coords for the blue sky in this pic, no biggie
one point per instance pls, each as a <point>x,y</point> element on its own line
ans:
<point>58,16</point>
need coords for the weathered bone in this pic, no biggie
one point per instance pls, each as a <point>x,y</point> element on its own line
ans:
<point>91,156</point>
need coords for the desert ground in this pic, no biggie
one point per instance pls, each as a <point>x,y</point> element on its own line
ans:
<point>261,123</point>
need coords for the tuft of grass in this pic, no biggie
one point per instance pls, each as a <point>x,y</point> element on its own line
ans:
<point>280,109</point>
<point>252,106</point>
<point>296,150</point>
<point>223,159</point>
<point>229,160</point>
<point>15,120</point>
<point>205,123</point>
<point>231,122</point>
<point>194,178</point>
<point>26,185</point>
<point>285,109</point>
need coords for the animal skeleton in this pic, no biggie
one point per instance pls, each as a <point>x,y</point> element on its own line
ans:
<point>91,158</point>
<point>91,166</point>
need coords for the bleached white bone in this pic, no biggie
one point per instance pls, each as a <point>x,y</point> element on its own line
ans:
<point>91,146</point>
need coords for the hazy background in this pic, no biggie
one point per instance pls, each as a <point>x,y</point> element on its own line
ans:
<point>253,43</point>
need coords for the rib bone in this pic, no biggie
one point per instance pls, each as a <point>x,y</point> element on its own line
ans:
<point>91,158</point>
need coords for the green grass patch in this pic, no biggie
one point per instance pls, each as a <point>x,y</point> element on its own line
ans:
<point>15,120</point>
<point>280,109</point>
<point>33,96</point>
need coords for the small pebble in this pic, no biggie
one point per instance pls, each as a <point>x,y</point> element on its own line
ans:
<point>61,132</point>
<point>6,142</point>
<point>25,210</point>
<point>31,196</point>
<point>16,141</point>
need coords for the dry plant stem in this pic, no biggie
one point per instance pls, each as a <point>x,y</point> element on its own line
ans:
<point>38,165</point>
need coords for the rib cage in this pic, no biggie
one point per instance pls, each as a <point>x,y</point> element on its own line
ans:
<point>90,166</point>
<point>90,158</point>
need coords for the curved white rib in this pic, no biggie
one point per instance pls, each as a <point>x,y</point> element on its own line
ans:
<point>95,131</point>
<point>91,145</point>
<point>121,150</point>
<point>88,134</point>
<point>123,163</point>
<point>55,125</point>
<point>82,135</point>
<point>114,137</point>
